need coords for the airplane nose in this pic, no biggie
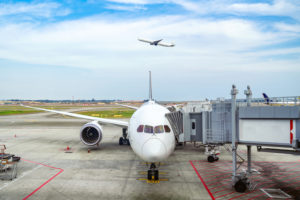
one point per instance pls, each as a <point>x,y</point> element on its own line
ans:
<point>154,150</point>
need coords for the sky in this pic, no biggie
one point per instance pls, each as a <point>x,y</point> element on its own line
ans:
<point>89,49</point>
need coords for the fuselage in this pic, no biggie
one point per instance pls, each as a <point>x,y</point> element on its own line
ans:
<point>150,133</point>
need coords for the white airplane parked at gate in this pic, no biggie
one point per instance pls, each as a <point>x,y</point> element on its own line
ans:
<point>149,132</point>
<point>157,42</point>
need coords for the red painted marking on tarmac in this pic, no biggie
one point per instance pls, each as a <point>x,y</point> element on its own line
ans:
<point>285,169</point>
<point>222,185</point>
<point>256,196</point>
<point>219,191</point>
<point>45,183</point>
<point>225,195</point>
<point>210,194</point>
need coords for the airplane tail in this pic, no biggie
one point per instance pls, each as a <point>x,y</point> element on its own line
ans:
<point>267,99</point>
<point>150,87</point>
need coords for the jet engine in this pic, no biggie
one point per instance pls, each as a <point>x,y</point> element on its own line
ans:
<point>91,133</point>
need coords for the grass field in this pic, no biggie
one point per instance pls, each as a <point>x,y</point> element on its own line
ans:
<point>111,113</point>
<point>15,110</point>
<point>114,113</point>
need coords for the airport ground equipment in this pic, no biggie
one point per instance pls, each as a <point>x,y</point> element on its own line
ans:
<point>233,122</point>
<point>8,164</point>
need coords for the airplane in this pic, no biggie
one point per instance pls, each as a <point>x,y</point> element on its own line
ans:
<point>157,42</point>
<point>148,132</point>
<point>267,99</point>
<point>280,100</point>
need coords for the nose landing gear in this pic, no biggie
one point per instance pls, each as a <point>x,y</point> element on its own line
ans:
<point>153,174</point>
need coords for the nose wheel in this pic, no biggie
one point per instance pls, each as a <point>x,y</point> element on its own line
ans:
<point>153,173</point>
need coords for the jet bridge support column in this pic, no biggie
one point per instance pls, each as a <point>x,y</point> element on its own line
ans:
<point>248,94</point>
<point>249,159</point>
<point>234,92</point>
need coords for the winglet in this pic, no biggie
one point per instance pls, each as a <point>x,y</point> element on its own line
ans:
<point>150,87</point>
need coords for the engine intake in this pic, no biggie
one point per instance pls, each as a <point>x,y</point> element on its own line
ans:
<point>91,133</point>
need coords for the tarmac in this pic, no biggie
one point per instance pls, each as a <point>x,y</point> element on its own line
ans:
<point>50,170</point>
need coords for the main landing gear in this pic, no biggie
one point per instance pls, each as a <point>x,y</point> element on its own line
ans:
<point>153,174</point>
<point>124,140</point>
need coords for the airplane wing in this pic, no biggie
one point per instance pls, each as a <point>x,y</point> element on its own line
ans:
<point>166,44</point>
<point>98,119</point>
<point>144,40</point>
<point>127,106</point>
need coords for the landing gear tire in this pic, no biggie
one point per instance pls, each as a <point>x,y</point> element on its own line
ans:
<point>153,175</point>
<point>121,141</point>
<point>124,141</point>
<point>240,186</point>
<point>210,159</point>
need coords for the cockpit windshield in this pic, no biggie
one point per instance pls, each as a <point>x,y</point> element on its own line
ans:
<point>151,129</point>
<point>140,129</point>
<point>148,129</point>
<point>159,129</point>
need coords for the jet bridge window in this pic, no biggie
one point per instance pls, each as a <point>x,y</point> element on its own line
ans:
<point>140,129</point>
<point>167,129</point>
<point>159,129</point>
<point>148,129</point>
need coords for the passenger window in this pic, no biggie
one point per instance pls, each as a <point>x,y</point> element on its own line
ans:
<point>159,129</point>
<point>167,129</point>
<point>148,129</point>
<point>140,129</point>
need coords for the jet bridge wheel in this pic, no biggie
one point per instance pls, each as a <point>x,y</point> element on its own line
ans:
<point>212,158</point>
<point>240,186</point>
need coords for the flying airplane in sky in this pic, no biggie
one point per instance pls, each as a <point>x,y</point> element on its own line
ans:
<point>157,42</point>
<point>148,132</point>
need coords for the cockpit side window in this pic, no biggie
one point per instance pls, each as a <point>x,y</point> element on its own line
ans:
<point>167,129</point>
<point>148,129</point>
<point>140,129</point>
<point>158,129</point>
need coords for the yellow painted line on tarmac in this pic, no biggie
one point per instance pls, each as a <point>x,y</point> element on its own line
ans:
<point>153,181</point>
<point>144,173</point>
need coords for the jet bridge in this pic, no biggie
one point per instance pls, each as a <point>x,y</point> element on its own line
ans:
<point>237,122</point>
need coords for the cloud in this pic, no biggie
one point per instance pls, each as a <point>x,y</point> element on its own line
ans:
<point>46,10</point>
<point>125,8</point>
<point>102,44</point>
<point>286,8</point>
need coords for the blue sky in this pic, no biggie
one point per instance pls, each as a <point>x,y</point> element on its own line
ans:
<point>89,49</point>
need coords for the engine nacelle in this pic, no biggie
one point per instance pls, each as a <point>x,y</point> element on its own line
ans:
<point>91,133</point>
